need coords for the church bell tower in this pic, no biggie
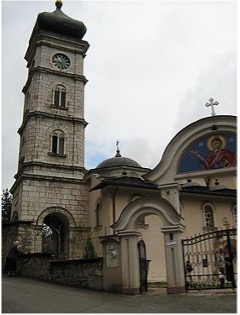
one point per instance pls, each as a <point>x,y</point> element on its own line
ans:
<point>50,189</point>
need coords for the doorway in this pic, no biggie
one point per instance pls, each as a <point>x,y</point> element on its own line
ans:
<point>55,236</point>
<point>143,267</point>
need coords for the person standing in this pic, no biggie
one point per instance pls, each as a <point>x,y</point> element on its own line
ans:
<point>188,269</point>
<point>221,264</point>
<point>11,259</point>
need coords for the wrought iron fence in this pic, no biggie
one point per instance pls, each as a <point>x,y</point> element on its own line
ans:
<point>210,260</point>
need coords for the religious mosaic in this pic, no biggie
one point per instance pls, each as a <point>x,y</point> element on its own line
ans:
<point>209,153</point>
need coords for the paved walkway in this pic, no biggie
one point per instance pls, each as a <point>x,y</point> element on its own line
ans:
<point>157,291</point>
<point>24,295</point>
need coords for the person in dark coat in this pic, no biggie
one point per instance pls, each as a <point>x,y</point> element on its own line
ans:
<point>229,270</point>
<point>11,259</point>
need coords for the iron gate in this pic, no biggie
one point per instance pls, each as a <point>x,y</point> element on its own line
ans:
<point>210,260</point>
<point>143,264</point>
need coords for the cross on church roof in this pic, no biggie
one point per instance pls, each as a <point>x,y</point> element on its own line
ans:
<point>212,103</point>
<point>226,224</point>
<point>118,151</point>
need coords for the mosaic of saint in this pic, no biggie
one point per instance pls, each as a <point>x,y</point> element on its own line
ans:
<point>209,153</point>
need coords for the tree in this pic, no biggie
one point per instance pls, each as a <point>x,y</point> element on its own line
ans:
<point>6,206</point>
<point>89,249</point>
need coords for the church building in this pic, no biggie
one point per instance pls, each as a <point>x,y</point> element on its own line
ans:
<point>131,214</point>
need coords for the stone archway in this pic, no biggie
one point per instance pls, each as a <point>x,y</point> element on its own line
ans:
<point>59,210</point>
<point>55,224</point>
<point>55,238</point>
<point>126,229</point>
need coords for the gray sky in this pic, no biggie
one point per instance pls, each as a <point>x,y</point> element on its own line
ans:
<point>151,66</point>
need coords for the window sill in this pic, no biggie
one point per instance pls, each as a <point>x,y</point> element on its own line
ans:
<point>58,107</point>
<point>57,154</point>
<point>209,228</point>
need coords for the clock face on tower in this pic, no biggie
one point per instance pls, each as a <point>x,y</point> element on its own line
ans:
<point>60,61</point>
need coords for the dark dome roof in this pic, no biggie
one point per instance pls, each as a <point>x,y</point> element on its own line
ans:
<point>59,22</point>
<point>118,160</point>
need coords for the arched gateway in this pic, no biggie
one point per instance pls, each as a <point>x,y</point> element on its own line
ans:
<point>126,229</point>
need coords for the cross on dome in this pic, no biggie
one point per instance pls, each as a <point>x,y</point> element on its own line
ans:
<point>212,103</point>
<point>118,151</point>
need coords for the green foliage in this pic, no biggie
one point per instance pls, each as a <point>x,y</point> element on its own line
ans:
<point>89,249</point>
<point>6,206</point>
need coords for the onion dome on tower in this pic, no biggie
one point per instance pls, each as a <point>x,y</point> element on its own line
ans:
<point>60,23</point>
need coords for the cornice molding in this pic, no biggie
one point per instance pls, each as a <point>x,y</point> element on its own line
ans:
<point>54,40</point>
<point>51,116</point>
<point>45,70</point>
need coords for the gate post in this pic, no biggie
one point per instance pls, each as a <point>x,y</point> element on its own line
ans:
<point>112,272</point>
<point>230,259</point>
<point>130,262</point>
<point>174,260</point>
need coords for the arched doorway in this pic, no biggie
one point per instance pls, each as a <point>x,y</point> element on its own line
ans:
<point>56,225</point>
<point>126,228</point>
<point>143,266</point>
<point>151,234</point>
<point>55,235</point>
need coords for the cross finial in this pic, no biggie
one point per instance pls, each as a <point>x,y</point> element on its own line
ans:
<point>212,103</point>
<point>118,151</point>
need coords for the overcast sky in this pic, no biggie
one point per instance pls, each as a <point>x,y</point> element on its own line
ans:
<point>151,66</point>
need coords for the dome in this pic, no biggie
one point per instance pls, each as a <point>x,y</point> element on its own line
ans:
<point>59,22</point>
<point>118,160</point>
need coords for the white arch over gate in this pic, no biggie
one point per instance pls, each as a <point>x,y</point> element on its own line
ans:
<point>147,206</point>
<point>126,229</point>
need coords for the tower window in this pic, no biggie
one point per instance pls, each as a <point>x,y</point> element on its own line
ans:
<point>59,96</point>
<point>58,142</point>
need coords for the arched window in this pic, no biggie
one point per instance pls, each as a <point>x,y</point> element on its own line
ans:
<point>57,142</point>
<point>59,96</point>
<point>208,216</point>
<point>97,214</point>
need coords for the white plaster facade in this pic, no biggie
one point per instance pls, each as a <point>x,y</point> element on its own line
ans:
<point>171,190</point>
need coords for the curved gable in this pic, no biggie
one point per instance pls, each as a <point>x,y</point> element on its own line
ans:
<point>191,150</point>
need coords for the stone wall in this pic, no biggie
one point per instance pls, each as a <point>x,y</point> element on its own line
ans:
<point>13,231</point>
<point>84,273</point>
<point>34,265</point>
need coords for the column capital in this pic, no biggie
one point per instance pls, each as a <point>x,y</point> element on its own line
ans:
<point>173,228</point>
<point>128,233</point>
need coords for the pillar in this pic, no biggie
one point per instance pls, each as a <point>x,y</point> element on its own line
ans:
<point>174,260</point>
<point>130,262</point>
